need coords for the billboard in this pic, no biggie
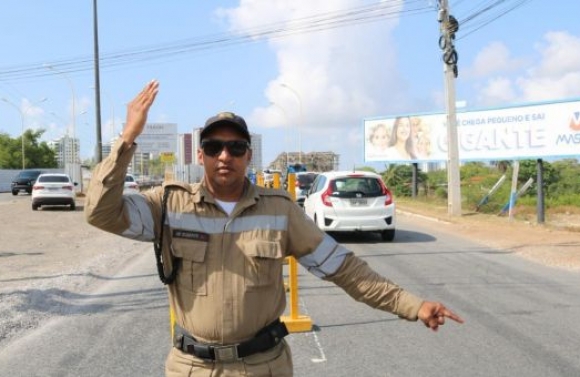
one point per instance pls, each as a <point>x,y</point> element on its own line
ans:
<point>524,132</point>
<point>157,138</point>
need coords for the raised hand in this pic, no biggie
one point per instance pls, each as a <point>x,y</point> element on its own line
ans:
<point>137,111</point>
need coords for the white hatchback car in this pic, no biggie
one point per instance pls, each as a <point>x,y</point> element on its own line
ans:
<point>53,189</point>
<point>131,185</point>
<point>347,201</point>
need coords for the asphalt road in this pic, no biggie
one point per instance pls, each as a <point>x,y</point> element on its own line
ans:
<point>521,318</point>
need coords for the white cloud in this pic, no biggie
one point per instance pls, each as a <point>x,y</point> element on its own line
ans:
<point>333,77</point>
<point>567,85</point>
<point>31,114</point>
<point>560,54</point>
<point>557,74</point>
<point>492,59</point>
<point>498,90</point>
<point>554,76</point>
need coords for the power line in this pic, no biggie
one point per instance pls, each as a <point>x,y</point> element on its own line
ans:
<point>486,13</point>
<point>480,16</point>
<point>163,52</point>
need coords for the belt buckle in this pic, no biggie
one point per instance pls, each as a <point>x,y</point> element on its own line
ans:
<point>226,354</point>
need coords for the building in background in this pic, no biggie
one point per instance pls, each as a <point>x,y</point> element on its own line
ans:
<point>256,164</point>
<point>66,150</point>
<point>314,161</point>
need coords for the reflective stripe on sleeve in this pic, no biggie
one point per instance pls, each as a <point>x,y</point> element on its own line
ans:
<point>326,259</point>
<point>140,218</point>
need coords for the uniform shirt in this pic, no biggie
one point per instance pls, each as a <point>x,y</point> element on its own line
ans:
<point>229,283</point>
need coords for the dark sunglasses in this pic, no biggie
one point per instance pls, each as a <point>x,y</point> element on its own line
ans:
<point>236,148</point>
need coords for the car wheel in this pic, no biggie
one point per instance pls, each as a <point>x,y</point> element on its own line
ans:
<point>14,192</point>
<point>388,235</point>
<point>29,191</point>
<point>34,207</point>
<point>73,206</point>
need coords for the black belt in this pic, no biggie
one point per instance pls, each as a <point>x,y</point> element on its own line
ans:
<point>264,340</point>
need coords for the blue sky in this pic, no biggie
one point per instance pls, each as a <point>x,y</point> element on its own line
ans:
<point>211,56</point>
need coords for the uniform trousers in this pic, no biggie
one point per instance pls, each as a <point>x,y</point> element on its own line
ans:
<point>276,362</point>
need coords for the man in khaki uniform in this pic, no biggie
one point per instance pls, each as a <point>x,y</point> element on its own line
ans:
<point>221,251</point>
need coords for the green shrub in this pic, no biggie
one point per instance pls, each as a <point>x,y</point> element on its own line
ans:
<point>441,192</point>
<point>561,184</point>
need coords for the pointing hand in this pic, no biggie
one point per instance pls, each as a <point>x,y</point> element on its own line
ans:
<point>433,315</point>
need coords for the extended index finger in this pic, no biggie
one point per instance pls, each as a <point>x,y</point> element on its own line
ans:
<point>449,314</point>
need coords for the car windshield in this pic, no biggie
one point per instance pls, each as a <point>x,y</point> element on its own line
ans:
<point>129,178</point>
<point>353,187</point>
<point>29,174</point>
<point>53,178</point>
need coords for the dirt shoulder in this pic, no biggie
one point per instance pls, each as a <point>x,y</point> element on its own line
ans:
<point>555,243</point>
<point>49,257</point>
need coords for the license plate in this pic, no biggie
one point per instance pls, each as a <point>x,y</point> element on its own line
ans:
<point>52,188</point>
<point>358,202</point>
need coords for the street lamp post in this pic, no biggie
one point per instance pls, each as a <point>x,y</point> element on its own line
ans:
<point>113,134</point>
<point>73,116</point>
<point>286,132</point>
<point>284,85</point>
<point>22,115</point>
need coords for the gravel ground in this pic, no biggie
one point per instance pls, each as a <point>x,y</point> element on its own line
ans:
<point>49,257</point>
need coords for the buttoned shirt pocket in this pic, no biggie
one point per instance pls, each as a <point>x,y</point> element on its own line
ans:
<point>263,265</point>
<point>192,275</point>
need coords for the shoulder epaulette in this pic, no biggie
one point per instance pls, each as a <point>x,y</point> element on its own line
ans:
<point>177,184</point>
<point>273,192</point>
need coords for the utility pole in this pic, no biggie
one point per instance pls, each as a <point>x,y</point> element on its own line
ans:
<point>448,27</point>
<point>99,146</point>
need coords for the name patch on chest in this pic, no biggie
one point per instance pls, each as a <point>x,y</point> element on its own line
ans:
<point>190,235</point>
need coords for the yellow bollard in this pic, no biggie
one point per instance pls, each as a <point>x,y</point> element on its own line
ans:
<point>260,179</point>
<point>295,322</point>
<point>276,183</point>
<point>292,185</point>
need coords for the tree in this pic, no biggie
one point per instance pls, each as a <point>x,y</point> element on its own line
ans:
<point>366,168</point>
<point>399,177</point>
<point>10,152</point>
<point>37,154</point>
<point>568,182</point>
<point>156,167</point>
<point>529,169</point>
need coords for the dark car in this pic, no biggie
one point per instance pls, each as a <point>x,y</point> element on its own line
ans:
<point>303,182</point>
<point>24,181</point>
